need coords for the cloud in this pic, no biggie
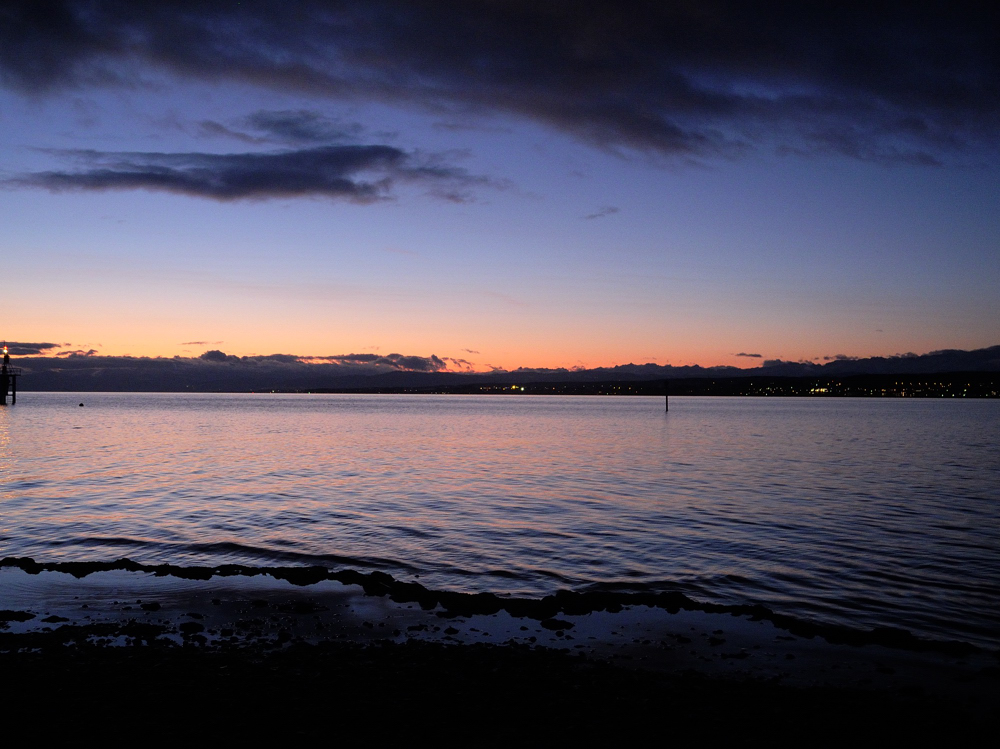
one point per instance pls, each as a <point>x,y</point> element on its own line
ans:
<point>16,348</point>
<point>401,362</point>
<point>414,363</point>
<point>217,129</point>
<point>78,353</point>
<point>303,126</point>
<point>200,343</point>
<point>601,212</point>
<point>360,174</point>
<point>216,370</point>
<point>469,351</point>
<point>888,82</point>
<point>465,127</point>
<point>461,364</point>
<point>295,127</point>
<point>840,357</point>
<point>217,356</point>
<point>752,356</point>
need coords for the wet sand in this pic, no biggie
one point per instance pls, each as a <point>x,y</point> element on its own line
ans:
<point>248,656</point>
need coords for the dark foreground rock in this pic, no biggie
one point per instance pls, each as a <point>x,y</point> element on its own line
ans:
<point>437,692</point>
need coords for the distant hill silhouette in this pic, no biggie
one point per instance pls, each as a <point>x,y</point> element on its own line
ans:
<point>218,372</point>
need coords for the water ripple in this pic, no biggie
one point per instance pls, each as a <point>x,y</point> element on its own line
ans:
<point>876,513</point>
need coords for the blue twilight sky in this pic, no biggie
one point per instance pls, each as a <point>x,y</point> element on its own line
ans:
<point>500,184</point>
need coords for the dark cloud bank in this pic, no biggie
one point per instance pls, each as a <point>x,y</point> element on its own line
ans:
<point>216,371</point>
<point>880,81</point>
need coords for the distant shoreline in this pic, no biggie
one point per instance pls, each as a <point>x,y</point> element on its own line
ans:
<point>948,385</point>
<point>979,385</point>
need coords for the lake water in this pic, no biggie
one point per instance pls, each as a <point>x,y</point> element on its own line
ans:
<point>847,511</point>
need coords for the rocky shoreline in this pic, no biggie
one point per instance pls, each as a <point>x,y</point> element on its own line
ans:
<point>237,656</point>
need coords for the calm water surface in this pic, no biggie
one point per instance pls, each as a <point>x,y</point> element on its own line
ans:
<point>859,512</point>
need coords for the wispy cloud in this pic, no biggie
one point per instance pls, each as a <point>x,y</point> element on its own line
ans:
<point>303,126</point>
<point>290,127</point>
<point>406,363</point>
<point>607,210</point>
<point>461,365</point>
<point>360,174</point>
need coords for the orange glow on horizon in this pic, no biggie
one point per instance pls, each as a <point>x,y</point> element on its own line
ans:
<point>566,346</point>
<point>472,364</point>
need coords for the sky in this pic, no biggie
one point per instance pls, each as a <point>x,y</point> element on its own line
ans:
<point>500,184</point>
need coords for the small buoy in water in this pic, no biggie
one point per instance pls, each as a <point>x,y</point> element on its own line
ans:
<point>81,405</point>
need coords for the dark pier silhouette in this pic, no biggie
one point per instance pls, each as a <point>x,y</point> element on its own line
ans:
<point>8,380</point>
